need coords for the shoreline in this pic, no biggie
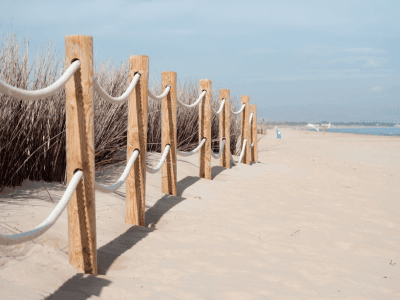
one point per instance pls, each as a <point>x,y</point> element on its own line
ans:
<point>391,135</point>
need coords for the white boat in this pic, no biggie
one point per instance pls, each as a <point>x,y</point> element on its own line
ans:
<point>317,126</point>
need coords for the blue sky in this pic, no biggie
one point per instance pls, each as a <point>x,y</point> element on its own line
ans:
<point>298,60</point>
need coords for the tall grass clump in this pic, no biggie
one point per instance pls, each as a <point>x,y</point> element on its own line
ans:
<point>187,120</point>
<point>32,134</point>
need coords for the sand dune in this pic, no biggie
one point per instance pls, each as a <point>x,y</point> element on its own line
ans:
<point>316,218</point>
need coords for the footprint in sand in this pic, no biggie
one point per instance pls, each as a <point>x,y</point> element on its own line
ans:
<point>242,295</point>
<point>350,246</point>
<point>317,275</point>
<point>273,277</point>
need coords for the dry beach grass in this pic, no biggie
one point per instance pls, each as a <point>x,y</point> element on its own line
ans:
<point>32,134</point>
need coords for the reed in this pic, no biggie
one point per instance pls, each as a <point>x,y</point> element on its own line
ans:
<point>32,134</point>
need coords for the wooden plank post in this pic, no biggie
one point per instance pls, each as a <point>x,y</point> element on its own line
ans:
<point>225,129</point>
<point>253,129</point>
<point>263,127</point>
<point>245,126</point>
<point>80,154</point>
<point>169,134</point>
<point>137,139</point>
<point>205,129</point>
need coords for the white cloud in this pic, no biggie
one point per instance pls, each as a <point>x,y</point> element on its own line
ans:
<point>316,49</point>
<point>371,62</point>
<point>304,14</point>
<point>376,88</point>
<point>313,75</point>
<point>329,50</point>
<point>262,51</point>
<point>363,50</point>
<point>103,11</point>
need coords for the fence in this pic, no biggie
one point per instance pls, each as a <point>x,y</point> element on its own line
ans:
<point>79,195</point>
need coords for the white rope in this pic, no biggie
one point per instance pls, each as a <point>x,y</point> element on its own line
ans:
<point>195,103</point>
<point>243,150</point>
<point>123,97</point>
<point>165,93</point>
<point>21,94</point>
<point>158,167</point>
<point>220,108</point>
<point>233,161</point>
<point>180,153</point>
<point>216,156</point>
<point>239,111</point>
<point>241,154</point>
<point>251,118</point>
<point>8,240</point>
<point>121,180</point>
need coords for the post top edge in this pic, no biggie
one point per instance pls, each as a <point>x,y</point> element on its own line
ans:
<point>171,72</point>
<point>79,35</point>
<point>137,55</point>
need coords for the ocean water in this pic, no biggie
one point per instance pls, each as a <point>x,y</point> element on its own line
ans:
<point>388,131</point>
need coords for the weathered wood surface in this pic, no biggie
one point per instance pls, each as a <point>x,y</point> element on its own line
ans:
<point>225,129</point>
<point>169,134</point>
<point>205,129</point>
<point>80,154</point>
<point>137,139</point>
<point>246,128</point>
<point>253,129</point>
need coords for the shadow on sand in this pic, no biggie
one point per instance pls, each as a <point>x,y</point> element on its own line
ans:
<point>216,170</point>
<point>83,286</point>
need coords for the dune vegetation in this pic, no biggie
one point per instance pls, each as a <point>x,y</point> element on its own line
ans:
<point>32,134</point>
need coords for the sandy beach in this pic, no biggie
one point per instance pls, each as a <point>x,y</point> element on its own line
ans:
<point>316,218</point>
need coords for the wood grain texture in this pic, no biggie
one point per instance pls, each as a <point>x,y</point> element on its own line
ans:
<point>264,128</point>
<point>253,133</point>
<point>225,129</point>
<point>137,139</point>
<point>245,117</point>
<point>205,129</point>
<point>169,134</point>
<point>80,154</point>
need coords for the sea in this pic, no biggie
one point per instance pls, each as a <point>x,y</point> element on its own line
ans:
<point>387,131</point>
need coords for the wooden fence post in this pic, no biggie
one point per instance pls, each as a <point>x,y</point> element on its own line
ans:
<point>205,129</point>
<point>169,134</point>
<point>137,139</point>
<point>253,129</point>
<point>225,129</point>
<point>80,154</point>
<point>245,126</point>
<point>263,127</point>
